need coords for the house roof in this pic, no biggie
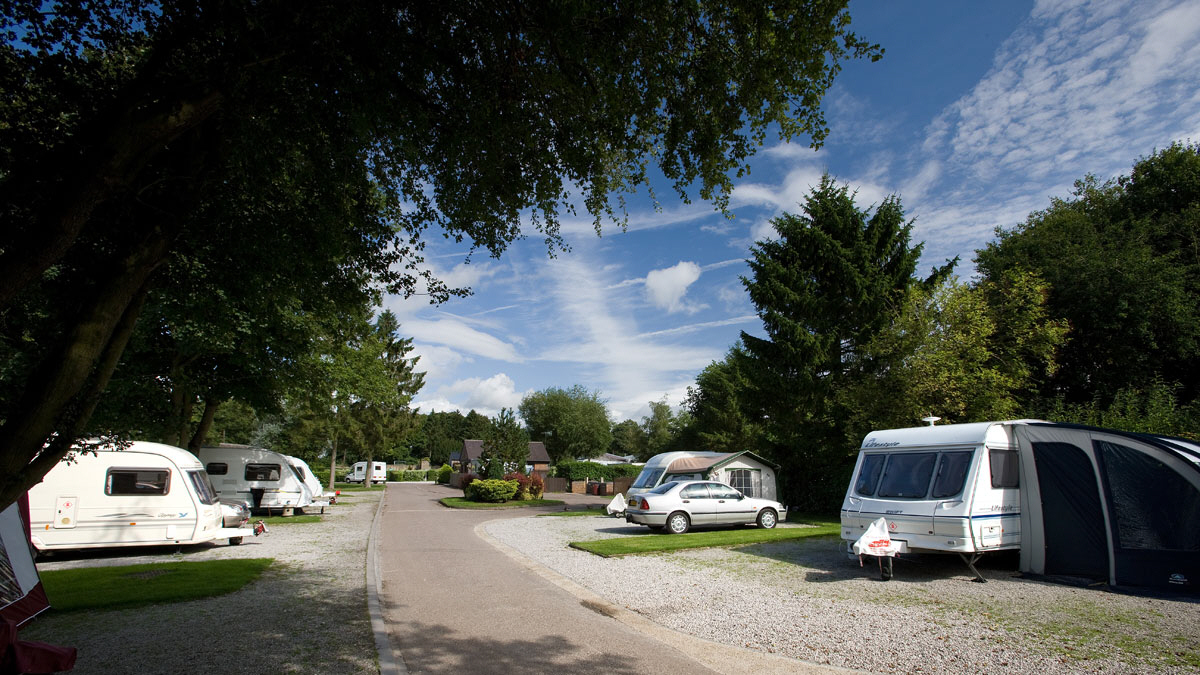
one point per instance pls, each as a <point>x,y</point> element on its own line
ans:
<point>473,448</point>
<point>701,464</point>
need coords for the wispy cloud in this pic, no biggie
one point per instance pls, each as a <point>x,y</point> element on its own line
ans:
<point>694,327</point>
<point>483,395</point>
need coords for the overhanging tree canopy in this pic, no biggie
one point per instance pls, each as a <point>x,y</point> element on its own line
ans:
<point>341,132</point>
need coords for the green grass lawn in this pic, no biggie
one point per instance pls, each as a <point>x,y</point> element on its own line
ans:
<point>464,503</point>
<point>287,520</point>
<point>653,542</point>
<point>140,585</point>
<point>358,487</point>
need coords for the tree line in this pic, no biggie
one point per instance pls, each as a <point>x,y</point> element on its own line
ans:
<point>214,187</point>
<point>1087,312</point>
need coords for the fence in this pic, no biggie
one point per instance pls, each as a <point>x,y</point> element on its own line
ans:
<point>556,484</point>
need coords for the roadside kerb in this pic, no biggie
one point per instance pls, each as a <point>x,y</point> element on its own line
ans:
<point>391,662</point>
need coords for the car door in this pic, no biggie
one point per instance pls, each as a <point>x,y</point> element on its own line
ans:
<point>729,505</point>
<point>697,501</point>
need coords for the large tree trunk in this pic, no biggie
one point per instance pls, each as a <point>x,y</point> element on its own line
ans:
<point>333,462</point>
<point>61,393</point>
<point>202,429</point>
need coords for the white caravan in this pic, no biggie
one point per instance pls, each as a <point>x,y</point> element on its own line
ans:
<point>146,494</point>
<point>263,478</point>
<point>951,489</point>
<point>358,472</point>
<point>306,476</point>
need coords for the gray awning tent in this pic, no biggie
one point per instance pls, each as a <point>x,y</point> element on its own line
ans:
<point>1110,506</point>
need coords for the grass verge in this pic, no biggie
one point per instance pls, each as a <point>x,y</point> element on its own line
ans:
<point>288,520</point>
<point>661,543</point>
<point>464,503</point>
<point>359,487</point>
<point>139,585</point>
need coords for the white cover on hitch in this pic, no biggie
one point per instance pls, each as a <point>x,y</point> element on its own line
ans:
<point>876,541</point>
<point>617,505</point>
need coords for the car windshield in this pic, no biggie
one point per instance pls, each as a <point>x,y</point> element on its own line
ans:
<point>664,488</point>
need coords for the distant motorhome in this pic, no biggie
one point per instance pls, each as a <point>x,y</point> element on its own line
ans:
<point>267,480</point>
<point>358,472</point>
<point>145,494</point>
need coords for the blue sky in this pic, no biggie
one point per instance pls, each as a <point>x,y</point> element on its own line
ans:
<point>977,115</point>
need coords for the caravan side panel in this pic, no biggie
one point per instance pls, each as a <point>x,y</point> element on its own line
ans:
<point>120,498</point>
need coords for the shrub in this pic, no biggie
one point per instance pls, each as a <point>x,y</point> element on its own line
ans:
<point>322,475</point>
<point>443,474</point>
<point>467,479</point>
<point>522,484</point>
<point>393,475</point>
<point>412,476</point>
<point>431,474</point>
<point>537,486</point>
<point>491,490</point>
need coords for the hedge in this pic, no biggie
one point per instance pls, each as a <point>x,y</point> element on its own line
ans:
<point>606,472</point>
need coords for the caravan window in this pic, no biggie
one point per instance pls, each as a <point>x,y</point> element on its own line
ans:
<point>120,482</point>
<point>1004,468</point>
<point>217,468</point>
<point>868,477</point>
<point>951,474</point>
<point>907,475</point>
<point>647,478</point>
<point>204,488</point>
<point>262,472</point>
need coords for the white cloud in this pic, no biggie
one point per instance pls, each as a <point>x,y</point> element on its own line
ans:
<point>457,335</point>
<point>485,396</point>
<point>665,288</point>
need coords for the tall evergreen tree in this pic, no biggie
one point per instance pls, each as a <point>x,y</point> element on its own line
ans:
<point>835,276</point>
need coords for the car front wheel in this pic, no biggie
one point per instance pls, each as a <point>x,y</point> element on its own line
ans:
<point>678,523</point>
<point>766,519</point>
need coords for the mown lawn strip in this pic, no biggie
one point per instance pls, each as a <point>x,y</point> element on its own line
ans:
<point>139,585</point>
<point>661,543</point>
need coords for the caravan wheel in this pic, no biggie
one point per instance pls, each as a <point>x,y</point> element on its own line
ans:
<point>234,541</point>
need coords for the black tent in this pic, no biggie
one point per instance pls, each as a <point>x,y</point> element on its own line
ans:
<point>1110,506</point>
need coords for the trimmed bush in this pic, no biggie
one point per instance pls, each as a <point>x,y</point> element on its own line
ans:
<point>443,474</point>
<point>522,485</point>
<point>537,486</point>
<point>491,490</point>
<point>626,470</point>
<point>431,474</point>
<point>393,476</point>
<point>411,476</point>
<point>581,470</point>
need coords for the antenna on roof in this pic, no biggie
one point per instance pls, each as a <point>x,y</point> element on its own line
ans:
<point>932,420</point>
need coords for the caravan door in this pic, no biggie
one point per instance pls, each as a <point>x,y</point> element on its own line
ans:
<point>64,512</point>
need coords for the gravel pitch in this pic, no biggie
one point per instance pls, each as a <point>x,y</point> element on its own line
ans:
<point>306,614</point>
<point>807,600</point>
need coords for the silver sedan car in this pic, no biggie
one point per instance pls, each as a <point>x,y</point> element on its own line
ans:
<point>680,506</point>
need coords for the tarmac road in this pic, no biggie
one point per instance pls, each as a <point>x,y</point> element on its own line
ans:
<point>454,603</point>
